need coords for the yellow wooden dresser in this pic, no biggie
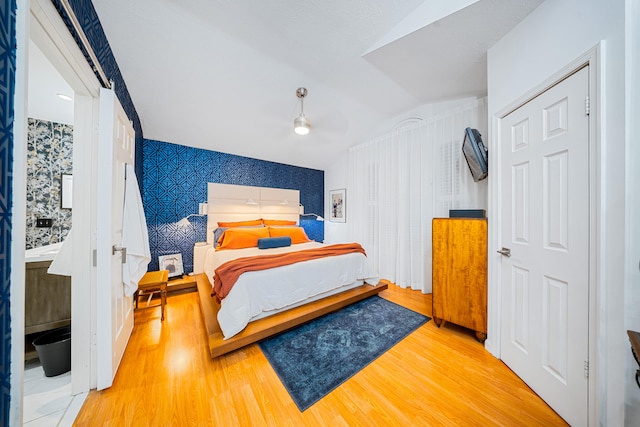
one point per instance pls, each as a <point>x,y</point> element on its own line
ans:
<point>460,273</point>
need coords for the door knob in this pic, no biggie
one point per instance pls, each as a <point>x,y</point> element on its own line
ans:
<point>505,251</point>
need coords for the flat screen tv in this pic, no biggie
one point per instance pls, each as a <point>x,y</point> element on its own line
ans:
<point>475,153</point>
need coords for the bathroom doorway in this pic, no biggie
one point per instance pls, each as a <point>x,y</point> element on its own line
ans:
<point>47,394</point>
<point>41,25</point>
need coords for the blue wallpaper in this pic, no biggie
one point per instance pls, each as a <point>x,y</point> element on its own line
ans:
<point>7,90</point>
<point>175,182</point>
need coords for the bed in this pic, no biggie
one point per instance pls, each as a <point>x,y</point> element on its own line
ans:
<point>265,302</point>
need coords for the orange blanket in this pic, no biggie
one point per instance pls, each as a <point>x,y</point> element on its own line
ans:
<point>228,273</point>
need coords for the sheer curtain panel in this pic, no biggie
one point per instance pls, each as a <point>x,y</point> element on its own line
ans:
<point>453,184</point>
<point>390,205</point>
<point>398,182</point>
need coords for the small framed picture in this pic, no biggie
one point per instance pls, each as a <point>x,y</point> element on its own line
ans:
<point>172,263</point>
<point>338,205</point>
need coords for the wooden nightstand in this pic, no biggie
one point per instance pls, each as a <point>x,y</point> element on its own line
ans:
<point>153,282</point>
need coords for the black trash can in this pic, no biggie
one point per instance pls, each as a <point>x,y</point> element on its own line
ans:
<point>54,351</point>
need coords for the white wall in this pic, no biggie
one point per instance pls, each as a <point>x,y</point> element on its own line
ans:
<point>552,36</point>
<point>336,176</point>
<point>632,280</point>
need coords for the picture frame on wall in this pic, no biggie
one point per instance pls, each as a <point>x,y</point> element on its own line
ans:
<point>338,205</point>
<point>171,263</point>
<point>66,191</point>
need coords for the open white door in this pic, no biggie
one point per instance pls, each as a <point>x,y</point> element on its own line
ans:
<point>114,309</point>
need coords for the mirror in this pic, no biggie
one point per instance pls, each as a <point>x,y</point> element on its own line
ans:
<point>66,191</point>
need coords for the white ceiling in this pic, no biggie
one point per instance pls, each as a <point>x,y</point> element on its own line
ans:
<point>45,83</point>
<point>222,74</point>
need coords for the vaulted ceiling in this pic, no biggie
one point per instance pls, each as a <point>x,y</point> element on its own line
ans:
<point>222,74</point>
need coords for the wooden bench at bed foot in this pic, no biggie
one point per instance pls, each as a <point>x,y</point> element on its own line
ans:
<point>151,283</point>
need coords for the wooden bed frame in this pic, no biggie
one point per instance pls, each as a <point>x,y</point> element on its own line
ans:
<point>272,325</point>
<point>227,202</point>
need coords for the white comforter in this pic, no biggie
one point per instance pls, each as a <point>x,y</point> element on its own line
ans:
<point>261,293</point>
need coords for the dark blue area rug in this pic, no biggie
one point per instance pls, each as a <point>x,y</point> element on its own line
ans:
<point>315,358</point>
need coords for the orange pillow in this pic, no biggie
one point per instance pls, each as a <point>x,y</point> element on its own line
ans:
<point>278,222</point>
<point>240,223</point>
<point>297,234</point>
<point>238,238</point>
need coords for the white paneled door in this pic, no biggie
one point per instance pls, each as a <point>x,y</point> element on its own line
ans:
<point>115,309</point>
<point>545,235</point>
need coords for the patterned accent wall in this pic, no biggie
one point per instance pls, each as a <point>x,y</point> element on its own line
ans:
<point>49,155</point>
<point>90,23</point>
<point>175,182</point>
<point>7,91</point>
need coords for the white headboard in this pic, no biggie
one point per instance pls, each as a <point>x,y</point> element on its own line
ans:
<point>228,202</point>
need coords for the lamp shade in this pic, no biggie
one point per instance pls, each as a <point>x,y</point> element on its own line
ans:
<point>301,125</point>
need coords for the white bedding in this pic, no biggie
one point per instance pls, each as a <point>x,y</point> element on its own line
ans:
<point>258,294</point>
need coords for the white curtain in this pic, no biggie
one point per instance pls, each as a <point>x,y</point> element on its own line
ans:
<point>453,184</point>
<point>398,182</point>
<point>389,192</point>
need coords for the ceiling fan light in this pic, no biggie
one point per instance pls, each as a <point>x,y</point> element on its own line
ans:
<point>301,125</point>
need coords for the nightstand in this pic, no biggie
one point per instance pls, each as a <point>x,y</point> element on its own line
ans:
<point>199,253</point>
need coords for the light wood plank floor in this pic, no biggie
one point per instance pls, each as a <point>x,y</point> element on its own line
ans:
<point>434,377</point>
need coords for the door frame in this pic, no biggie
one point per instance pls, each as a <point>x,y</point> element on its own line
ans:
<point>38,19</point>
<point>597,330</point>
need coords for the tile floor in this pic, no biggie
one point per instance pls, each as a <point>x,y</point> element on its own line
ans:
<point>47,400</point>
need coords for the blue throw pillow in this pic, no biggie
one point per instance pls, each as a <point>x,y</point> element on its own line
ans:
<point>274,242</point>
<point>217,233</point>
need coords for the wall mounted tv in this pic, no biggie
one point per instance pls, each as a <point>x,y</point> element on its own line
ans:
<point>475,153</point>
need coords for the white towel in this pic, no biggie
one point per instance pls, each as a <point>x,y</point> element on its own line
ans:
<point>63,261</point>
<point>135,236</point>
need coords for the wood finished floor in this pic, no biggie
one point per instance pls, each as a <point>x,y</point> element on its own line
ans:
<point>434,377</point>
